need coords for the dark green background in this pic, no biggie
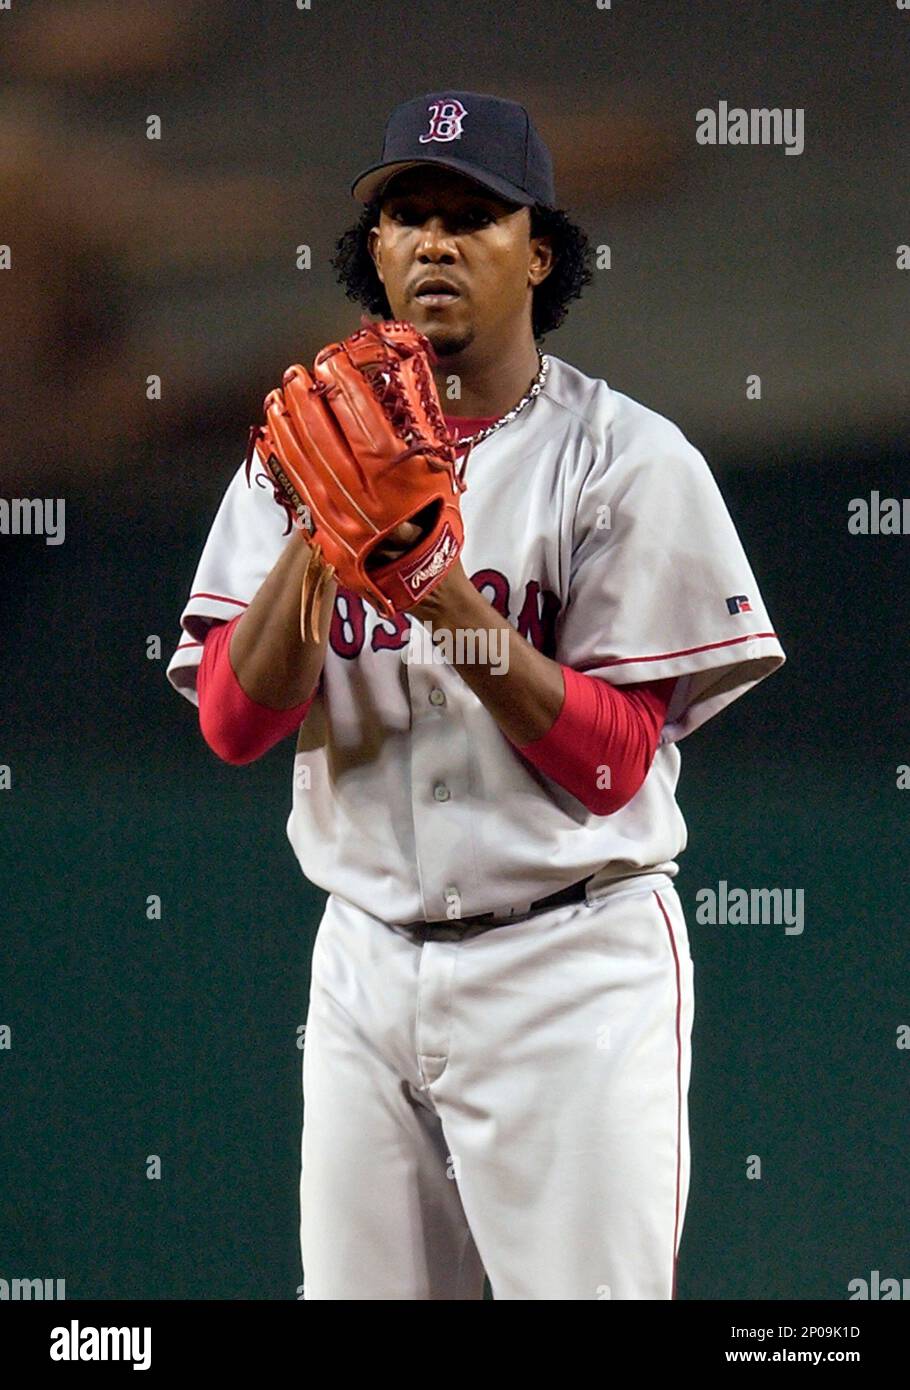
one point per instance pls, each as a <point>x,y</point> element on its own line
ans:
<point>178,1037</point>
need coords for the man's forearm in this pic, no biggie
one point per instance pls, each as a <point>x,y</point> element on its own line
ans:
<point>273,664</point>
<point>524,699</point>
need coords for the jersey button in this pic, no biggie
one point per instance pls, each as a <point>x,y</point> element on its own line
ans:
<point>441,792</point>
<point>436,696</point>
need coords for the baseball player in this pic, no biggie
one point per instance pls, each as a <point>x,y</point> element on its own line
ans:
<point>488,694</point>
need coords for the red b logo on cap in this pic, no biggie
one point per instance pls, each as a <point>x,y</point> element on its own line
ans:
<point>445,121</point>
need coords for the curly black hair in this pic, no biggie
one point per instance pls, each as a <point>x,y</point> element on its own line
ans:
<point>572,268</point>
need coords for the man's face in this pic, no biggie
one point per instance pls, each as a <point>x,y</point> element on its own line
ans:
<point>456,260</point>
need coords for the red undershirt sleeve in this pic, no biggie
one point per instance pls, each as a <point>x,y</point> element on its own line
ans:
<point>604,739</point>
<point>235,727</point>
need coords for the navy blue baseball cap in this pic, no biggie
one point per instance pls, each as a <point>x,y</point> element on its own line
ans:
<point>488,139</point>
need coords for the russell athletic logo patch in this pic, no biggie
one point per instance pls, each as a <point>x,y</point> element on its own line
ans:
<point>739,603</point>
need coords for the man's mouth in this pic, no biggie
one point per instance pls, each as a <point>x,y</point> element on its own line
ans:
<point>433,294</point>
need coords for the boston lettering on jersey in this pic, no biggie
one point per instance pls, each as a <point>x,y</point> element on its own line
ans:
<point>535,619</point>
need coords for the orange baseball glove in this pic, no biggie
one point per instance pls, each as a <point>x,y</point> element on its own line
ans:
<point>355,449</point>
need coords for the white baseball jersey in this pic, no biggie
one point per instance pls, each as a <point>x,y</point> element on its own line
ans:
<point>599,531</point>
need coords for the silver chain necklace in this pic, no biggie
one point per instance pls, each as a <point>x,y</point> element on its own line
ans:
<point>535,389</point>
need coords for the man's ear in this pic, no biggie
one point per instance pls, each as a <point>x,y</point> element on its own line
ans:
<point>542,259</point>
<point>375,250</point>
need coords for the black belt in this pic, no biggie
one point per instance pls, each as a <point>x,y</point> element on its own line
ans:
<point>573,894</point>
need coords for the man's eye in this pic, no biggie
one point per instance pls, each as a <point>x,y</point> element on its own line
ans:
<point>408,217</point>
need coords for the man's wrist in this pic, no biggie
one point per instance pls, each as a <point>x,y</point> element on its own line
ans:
<point>451,602</point>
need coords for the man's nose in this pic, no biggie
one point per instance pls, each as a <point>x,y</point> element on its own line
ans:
<point>435,240</point>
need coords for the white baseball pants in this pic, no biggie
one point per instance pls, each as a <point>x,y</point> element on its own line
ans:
<point>509,1099</point>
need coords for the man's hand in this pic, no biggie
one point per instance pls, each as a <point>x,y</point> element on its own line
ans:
<point>272,662</point>
<point>396,543</point>
<point>525,700</point>
<point>451,600</point>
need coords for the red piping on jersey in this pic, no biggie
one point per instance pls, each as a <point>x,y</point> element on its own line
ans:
<point>678,1088</point>
<point>221,598</point>
<point>685,651</point>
